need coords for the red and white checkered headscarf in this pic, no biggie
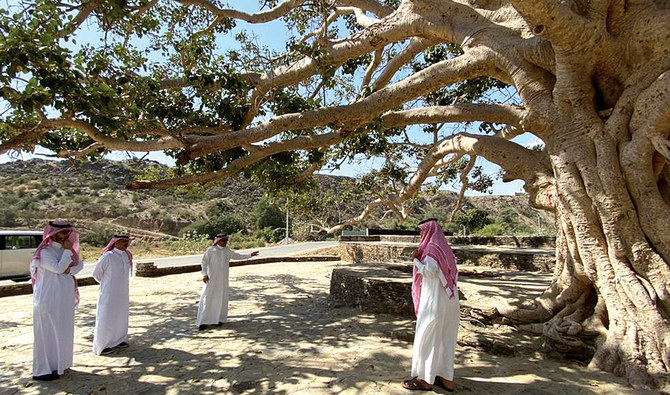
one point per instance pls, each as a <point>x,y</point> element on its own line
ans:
<point>115,238</point>
<point>433,244</point>
<point>219,237</point>
<point>50,230</point>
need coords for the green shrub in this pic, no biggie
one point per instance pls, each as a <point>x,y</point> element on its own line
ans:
<point>524,230</point>
<point>8,216</point>
<point>221,224</point>
<point>97,235</point>
<point>165,200</point>
<point>491,230</point>
<point>97,184</point>
<point>270,235</point>
<point>263,215</point>
<point>82,199</point>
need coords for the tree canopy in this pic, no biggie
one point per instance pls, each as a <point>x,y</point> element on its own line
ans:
<point>589,78</point>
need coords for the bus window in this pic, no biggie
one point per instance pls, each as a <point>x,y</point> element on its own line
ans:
<point>18,242</point>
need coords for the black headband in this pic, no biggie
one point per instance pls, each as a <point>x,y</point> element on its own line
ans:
<point>54,224</point>
<point>122,236</point>
<point>428,220</point>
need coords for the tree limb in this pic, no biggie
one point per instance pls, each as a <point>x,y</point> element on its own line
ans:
<point>416,46</point>
<point>471,64</point>
<point>465,183</point>
<point>260,17</point>
<point>302,142</point>
<point>498,113</point>
<point>86,9</point>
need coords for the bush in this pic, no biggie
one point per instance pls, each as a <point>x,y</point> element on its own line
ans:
<point>98,184</point>
<point>43,195</point>
<point>190,242</point>
<point>221,224</point>
<point>450,228</point>
<point>270,235</point>
<point>165,200</point>
<point>97,236</point>
<point>82,199</point>
<point>8,216</point>
<point>508,217</point>
<point>491,230</point>
<point>263,215</point>
<point>524,230</point>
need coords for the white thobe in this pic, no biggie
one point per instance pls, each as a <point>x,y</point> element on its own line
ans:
<point>53,310</point>
<point>436,326</point>
<point>213,306</point>
<point>112,271</point>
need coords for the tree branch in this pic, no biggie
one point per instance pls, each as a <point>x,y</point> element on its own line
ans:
<point>86,9</point>
<point>302,142</point>
<point>376,7</point>
<point>497,113</point>
<point>465,183</point>
<point>416,46</point>
<point>260,17</point>
<point>470,65</point>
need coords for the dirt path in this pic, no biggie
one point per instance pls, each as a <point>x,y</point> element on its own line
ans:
<point>282,339</point>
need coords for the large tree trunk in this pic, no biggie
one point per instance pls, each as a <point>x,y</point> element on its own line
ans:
<point>610,287</point>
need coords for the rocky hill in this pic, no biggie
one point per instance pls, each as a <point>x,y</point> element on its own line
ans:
<point>93,195</point>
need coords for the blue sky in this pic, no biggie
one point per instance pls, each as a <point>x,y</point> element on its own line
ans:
<point>274,35</point>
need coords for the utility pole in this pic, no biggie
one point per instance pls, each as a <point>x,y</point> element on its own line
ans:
<point>286,221</point>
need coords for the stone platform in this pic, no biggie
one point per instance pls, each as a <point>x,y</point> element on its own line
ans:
<point>381,288</point>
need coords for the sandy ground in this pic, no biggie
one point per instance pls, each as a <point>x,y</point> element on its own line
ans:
<point>282,339</point>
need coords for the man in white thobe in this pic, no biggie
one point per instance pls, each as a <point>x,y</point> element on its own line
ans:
<point>55,297</point>
<point>213,308</point>
<point>435,295</point>
<point>112,271</point>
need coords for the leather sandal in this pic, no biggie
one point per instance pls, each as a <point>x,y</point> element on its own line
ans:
<point>414,384</point>
<point>439,381</point>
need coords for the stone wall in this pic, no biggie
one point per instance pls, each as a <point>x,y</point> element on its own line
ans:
<point>148,269</point>
<point>519,260</point>
<point>366,253</point>
<point>507,241</point>
<point>27,288</point>
<point>375,288</point>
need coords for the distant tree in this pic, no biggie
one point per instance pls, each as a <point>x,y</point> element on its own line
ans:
<point>474,220</point>
<point>264,215</point>
<point>508,217</point>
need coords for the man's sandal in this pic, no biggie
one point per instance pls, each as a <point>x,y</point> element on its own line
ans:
<point>439,381</point>
<point>414,384</point>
